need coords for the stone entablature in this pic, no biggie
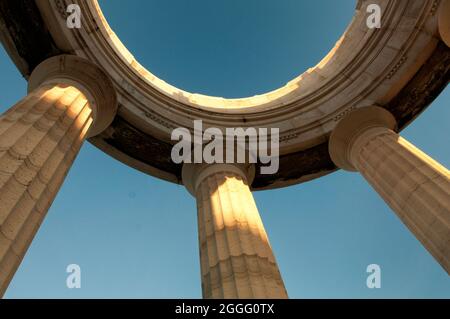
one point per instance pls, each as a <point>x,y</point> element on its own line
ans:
<point>366,67</point>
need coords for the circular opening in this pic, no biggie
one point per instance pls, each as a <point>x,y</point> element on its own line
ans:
<point>228,48</point>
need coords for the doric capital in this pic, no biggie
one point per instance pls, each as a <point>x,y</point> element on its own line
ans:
<point>444,21</point>
<point>194,174</point>
<point>352,127</point>
<point>85,76</point>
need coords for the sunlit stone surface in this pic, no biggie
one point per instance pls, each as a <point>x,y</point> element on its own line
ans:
<point>235,254</point>
<point>40,138</point>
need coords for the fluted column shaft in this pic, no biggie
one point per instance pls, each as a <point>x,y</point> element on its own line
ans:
<point>235,253</point>
<point>39,139</point>
<point>415,186</point>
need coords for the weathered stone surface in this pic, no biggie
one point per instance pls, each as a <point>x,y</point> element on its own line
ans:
<point>39,139</point>
<point>444,21</point>
<point>415,186</point>
<point>235,254</point>
<point>26,30</point>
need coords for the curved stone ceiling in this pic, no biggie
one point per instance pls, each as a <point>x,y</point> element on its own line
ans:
<point>402,67</point>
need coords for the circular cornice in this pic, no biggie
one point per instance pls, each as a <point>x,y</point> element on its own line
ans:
<point>402,67</point>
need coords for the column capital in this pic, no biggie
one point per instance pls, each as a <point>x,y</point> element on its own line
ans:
<point>444,21</point>
<point>352,127</point>
<point>194,174</point>
<point>85,76</point>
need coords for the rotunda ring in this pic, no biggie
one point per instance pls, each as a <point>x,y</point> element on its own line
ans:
<point>402,66</point>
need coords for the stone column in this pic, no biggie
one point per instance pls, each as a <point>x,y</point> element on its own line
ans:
<point>444,21</point>
<point>70,99</point>
<point>235,254</point>
<point>415,186</point>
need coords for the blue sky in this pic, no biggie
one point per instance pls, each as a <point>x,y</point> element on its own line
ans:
<point>135,236</point>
